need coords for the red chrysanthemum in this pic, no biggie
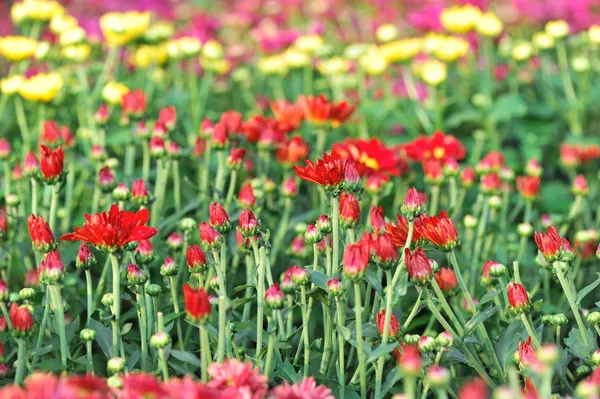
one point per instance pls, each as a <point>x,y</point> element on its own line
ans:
<point>528,186</point>
<point>439,147</point>
<point>371,156</point>
<point>328,172</point>
<point>112,230</point>
<point>197,305</point>
<point>439,230</point>
<point>288,115</point>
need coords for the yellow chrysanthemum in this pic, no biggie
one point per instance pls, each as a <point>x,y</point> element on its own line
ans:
<point>77,52</point>
<point>373,63</point>
<point>542,41</point>
<point>309,43</point>
<point>10,85</point>
<point>41,87</point>
<point>147,56</point>
<point>386,33</point>
<point>451,48</point>
<point>460,19</point>
<point>112,92</point>
<point>433,72</point>
<point>35,10</point>
<point>401,50</point>
<point>72,36</point>
<point>335,66</point>
<point>273,65</point>
<point>557,29</point>
<point>522,50</point>
<point>17,48</point>
<point>62,22</point>
<point>122,28</point>
<point>296,58</point>
<point>489,25</point>
<point>594,34</point>
<point>212,50</point>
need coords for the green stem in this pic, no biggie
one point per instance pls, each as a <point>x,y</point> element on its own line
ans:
<point>175,299</point>
<point>304,308</point>
<point>176,186</point>
<point>143,328</point>
<point>116,291</point>
<point>530,331</point>
<point>89,356</point>
<point>335,222</point>
<point>40,337</point>
<point>162,176</point>
<point>282,229</point>
<point>21,360</point>
<point>7,316</point>
<point>206,169</point>
<point>145,159</point>
<point>222,308</point>
<point>409,387</point>
<point>90,295</point>
<point>571,299</point>
<point>34,196</point>
<point>220,180</point>
<point>359,340</point>
<point>271,346</point>
<point>260,299</point>
<point>59,313</point>
<point>204,352</point>
<point>54,206</point>
<point>341,355</point>
<point>435,199</point>
<point>109,61</point>
<point>231,189</point>
<point>22,122</point>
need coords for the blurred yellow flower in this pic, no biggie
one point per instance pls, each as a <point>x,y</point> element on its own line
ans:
<point>433,72</point>
<point>10,85</point>
<point>557,29</point>
<point>61,22</point>
<point>373,63</point>
<point>77,52</point>
<point>580,64</point>
<point>489,25</point>
<point>386,33</point>
<point>542,41</point>
<point>296,58</point>
<point>159,32</point>
<point>212,50</point>
<point>522,50</point>
<point>17,48</point>
<point>35,10</point>
<point>356,50</point>
<point>42,51</point>
<point>334,66</point>
<point>401,50</point>
<point>451,48</point>
<point>148,55</point>
<point>594,34</point>
<point>273,65</point>
<point>309,43</point>
<point>41,87</point>
<point>190,46</point>
<point>112,92</point>
<point>122,28</point>
<point>72,36</point>
<point>460,19</point>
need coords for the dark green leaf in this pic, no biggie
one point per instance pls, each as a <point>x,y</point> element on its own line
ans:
<point>126,328</point>
<point>392,378</point>
<point>173,316</point>
<point>186,357</point>
<point>288,373</point>
<point>586,290</point>
<point>381,350</point>
<point>489,296</point>
<point>373,280</point>
<point>480,318</point>
<point>507,107</point>
<point>319,279</point>
<point>344,332</point>
<point>576,345</point>
<point>103,337</point>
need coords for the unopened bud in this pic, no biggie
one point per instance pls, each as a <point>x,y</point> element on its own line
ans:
<point>87,334</point>
<point>160,340</point>
<point>115,365</point>
<point>27,294</point>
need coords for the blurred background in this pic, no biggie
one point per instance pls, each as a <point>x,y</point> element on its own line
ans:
<point>273,24</point>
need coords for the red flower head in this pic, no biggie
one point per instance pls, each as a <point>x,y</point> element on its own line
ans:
<point>394,331</point>
<point>235,158</point>
<point>352,180</point>
<point>335,287</point>
<point>106,179</point>
<point>31,279</point>
<point>399,232</point>
<point>50,134</point>
<point>51,269</point>
<point>377,218</point>
<point>474,389</point>
<point>232,377</point>
<point>438,147</point>
<point>517,297</point>
<point>197,305</point>
<point>385,252</point>
<point>139,193</point>
<point>196,259</point>
<point>42,238</point>
<point>418,266</point>
<point>136,275</point>
<point>376,182</point>
<point>467,177</point>
<point>409,360</point>
<point>528,186</point>
<point>305,389</point>
<point>168,117</point>
<point>157,146</point>
<point>246,198</point>
<point>451,167</point>
<point>446,279</point>
<point>526,353</point>
<point>52,163</point>
<point>144,252</point>
<point>134,103</point>
<point>102,114</point>
<point>292,151</point>
<point>580,185</point>
<point>232,121</point>
<point>433,171</point>
<point>112,230</point>
<point>287,114</point>
<point>355,260</point>
<point>299,275</point>
<point>3,291</point>
<point>218,217</point>
<point>340,113</point>
<point>490,183</point>
<point>22,320</point>
<point>371,156</point>
<point>85,258</point>
<point>210,239</point>
<point>316,110</point>
<point>412,206</point>
<point>550,244</point>
<point>328,172</point>
<point>249,225</point>
<point>289,188</point>
<point>349,210</point>
<point>533,168</point>
<point>492,162</point>
<point>439,230</point>
<point>31,166</point>
<point>219,136</point>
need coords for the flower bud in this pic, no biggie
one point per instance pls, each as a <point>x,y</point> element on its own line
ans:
<point>121,192</point>
<point>187,224</point>
<point>144,253</point>
<point>249,225</point>
<point>139,193</point>
<point>427,344</point>
<point>438,377</point>
<point>27,294</point>
<point>335,288</point>
<point>595,358</point>
<point>352,180</point>
<point>4,293</point>
<point>115,365</point>
<point>593,317</point>
<point>274,297</point>
<point>107,299</point>
<point>412,206</point>
<point>85,258</point>
<point>196,259</point>
<point>394,327</point>
<point>355,260</point>
<point>548,354</point>
<point>324,224</point>
<point>213,283</point>
<point>497,269</point>
<point>218,217</point>
<point>525,229</point>
<point>312,235</point>
<point>210,239</point>
<point>470,221</point>
<point>287,285</point>
<point>114,382</point>
<point>518,297</point>
<point>87,334</point>
<point>559,319</point>
<point>175,241</point>
<point>135,275</point>
<point>582,371</point>
<point>409,361</point>
<point>289,188</point>
<point>580,186</point>
<point>160,340</point>
<point>169,268</point>
<point>299,275</point>
<point>349,210</point>
<point>444,339</point>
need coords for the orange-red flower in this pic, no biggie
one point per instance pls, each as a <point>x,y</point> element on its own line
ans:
<point>328,172</point>
<point>371,156</point>
<point>550,244</point>
<point>197,305</point>
<point>439,230</point>
<point>52,163</point>
<point>288,115</point>
<point>439,147</point>
<point>528,186</point>
<point>394,328</point>
<point>399,232</point>
<point>319,111</point>
<point>112,230</point>
<point>292,151</point>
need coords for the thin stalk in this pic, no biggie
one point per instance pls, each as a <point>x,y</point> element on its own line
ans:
<point>260,292</point>
<point>116,291</point>
<point>21,360</point>
<point>571,299</point>
<point>335,222</point>
<point>59,313</point>
<point>90,295</point>
<point>271,345</point>
<point>175,299</point>
<point>341,355</point>
<point>359,340</point>
<point>305,321</point>
<point>143,328</point>
<point>204,352</point>
<point>54,206</point>
<point>176,186</point>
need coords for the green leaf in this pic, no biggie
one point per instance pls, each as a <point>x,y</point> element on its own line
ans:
<point>489,296</point>
<point>186,357</point>
<point>288,373</point>
<point>586,290</point>
<point>381,350</point>
<point>344,332</point>
<point>468,115</point>
<point>173,316</point>
<point>51,365</point>
<point>480,318</point>
<point>126,328</point>
<point>555,197</point>
<point>453,356</point>
<point>392,378</point>
<point>319,279</point>
<point>373,280</point>
<point>507,342</point>
<point>576,345</point>
<point>506,108</point>
<point>240,288</point>
<point>103,337</point>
